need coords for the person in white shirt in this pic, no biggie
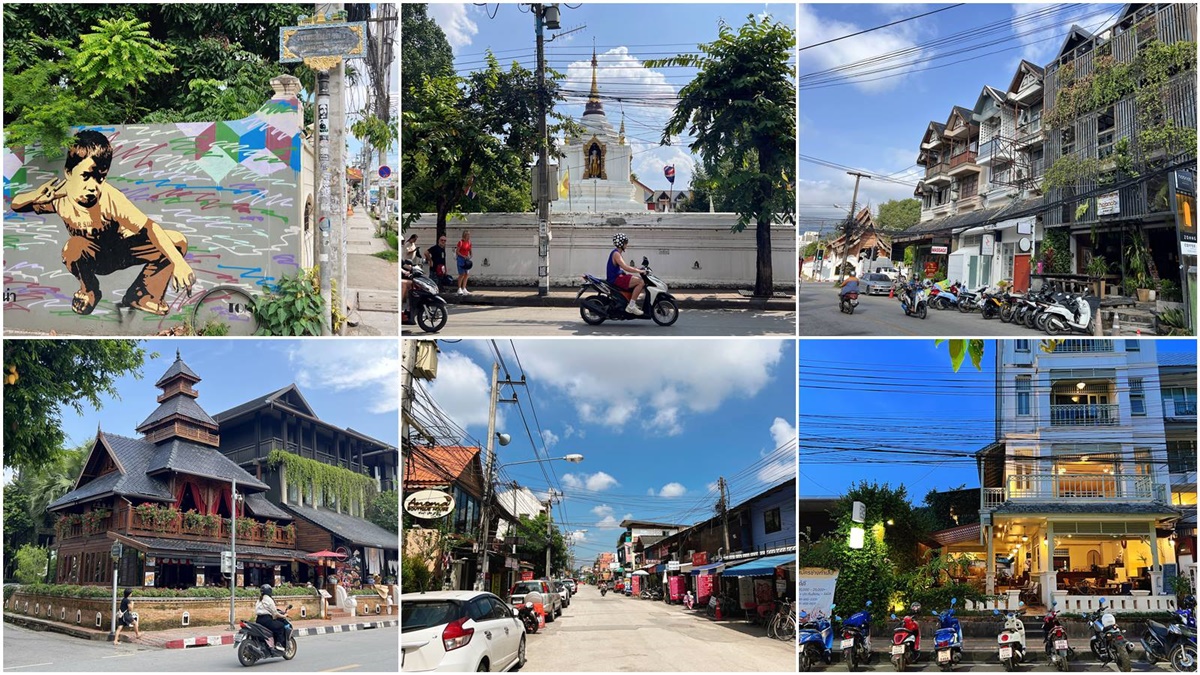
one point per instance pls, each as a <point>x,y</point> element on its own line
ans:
<point>269,616</point>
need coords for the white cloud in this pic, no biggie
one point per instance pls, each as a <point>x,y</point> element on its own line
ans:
<point>369,365</point>
<point>813,29</point>
<point>1042,32</point>
<point>783,463</point>
<point>596,482</point>
<point>577,536</point>
<point>549,438</point>
<point>651,382</point>
<point>461,389</point>
<point>454,22</point>
<point>607,521</point>
<point>671,490</point>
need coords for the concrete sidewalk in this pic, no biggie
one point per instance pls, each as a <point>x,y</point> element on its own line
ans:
<point>372,284</point>
<point>564,296</point>
<point>199,636</point>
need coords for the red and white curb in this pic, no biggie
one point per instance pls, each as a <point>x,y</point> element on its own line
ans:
<point>227,638</point>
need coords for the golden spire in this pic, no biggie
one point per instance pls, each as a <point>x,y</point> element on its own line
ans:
<point>621,138</point>
<point>594,107</point>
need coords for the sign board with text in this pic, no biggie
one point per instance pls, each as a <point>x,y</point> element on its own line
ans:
<point>814,589</point>
<point>1108,204</point>
<point>939,250</point>
<point>322,40</point>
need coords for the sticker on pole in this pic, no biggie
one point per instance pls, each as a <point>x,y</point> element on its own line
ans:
<point>385,171</point>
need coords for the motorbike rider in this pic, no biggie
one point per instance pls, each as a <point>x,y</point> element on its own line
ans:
<point>623,275</point>
<point>269,616</point>
<point>849,285</point>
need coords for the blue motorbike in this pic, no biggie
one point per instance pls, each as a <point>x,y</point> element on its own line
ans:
<point>1174,643</point>
<point>856,638</point>
<point>816,640</point>
<point>948,638</point>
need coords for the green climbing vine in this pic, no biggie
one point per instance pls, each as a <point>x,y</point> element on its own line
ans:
<point>346,485</point>
<point>1069,171</point>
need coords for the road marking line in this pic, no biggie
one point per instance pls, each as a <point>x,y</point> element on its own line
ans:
<point>334,670</point>
<point>119,656</point>
<point>29,665</point>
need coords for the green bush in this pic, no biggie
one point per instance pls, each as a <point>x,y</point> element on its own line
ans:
<point>31,564</point>
<point>72,591</point>
<point>393,240</point>
<point>294,307</point>
<point>414,574</point>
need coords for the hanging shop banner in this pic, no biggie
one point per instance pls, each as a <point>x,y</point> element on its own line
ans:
<point>1185,210</point>
<point>1108,204</point>
<point>764,591</point>
<point>704,587</point>
<point>699,558</point>
<point>637,585</point>
<point>931,269</point>
<point>148,579</point>
<point>746,592</point>
<point>428,504</point>
<point>814,589</point>
<point>987,245</point>
<point>675,587</point>
<point>939,250</point>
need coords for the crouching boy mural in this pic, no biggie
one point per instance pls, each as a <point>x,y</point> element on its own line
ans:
<point>154,215</point>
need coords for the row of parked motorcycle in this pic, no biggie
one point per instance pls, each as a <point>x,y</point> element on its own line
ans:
<point>1049,310</point>
<point>1174,643</point>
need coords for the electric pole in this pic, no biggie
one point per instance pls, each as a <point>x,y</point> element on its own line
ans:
<point>723,509</point>
<point>850,223</point>
<point>489,471</point>
<point>549,529</point>
<point>543,178</point>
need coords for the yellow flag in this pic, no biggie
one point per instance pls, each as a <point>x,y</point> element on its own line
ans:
<point>564,187</point>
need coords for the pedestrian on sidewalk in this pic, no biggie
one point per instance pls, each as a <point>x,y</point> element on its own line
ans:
<point>411,250</point>
<point>127,618</point>
<point>436,257</point>
<point>462,253</point>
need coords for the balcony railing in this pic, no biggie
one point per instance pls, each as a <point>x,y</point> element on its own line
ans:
<point>1030,128</point>
<point>967,157</point>
<point>1173,408</point>
<point>990,498</point>
<point>1085,415</point>
<point>1081,486</point>
<point>1084,346</point>
<point>936,169</point>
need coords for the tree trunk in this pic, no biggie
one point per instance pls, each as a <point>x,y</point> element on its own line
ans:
<point>764,284</point>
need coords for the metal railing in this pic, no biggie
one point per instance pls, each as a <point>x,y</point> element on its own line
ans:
<point>1173,408</point>
<point>1085,415</point>
<point>990,498</point>
<point>1084,346</point>
<point>1081,486</point>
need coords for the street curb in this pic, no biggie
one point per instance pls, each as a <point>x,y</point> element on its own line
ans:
<point>227,638</point>
<point>479,299</point>
<point>34,623</point>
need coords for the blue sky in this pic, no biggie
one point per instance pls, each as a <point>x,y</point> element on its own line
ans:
<point>349,383</point>
<point>656,420</point>
<point>875,122</point>
<point>899,393</point>
<point>625,35</point>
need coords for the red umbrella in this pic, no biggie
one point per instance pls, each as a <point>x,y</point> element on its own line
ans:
<point>325,554</point>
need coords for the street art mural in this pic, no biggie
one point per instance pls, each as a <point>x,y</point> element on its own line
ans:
<point>126,233</point>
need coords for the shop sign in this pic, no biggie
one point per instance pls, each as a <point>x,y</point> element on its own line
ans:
<point>1108,204</point>
<point>673,566</point>
<point>527,575</point>
<point>815,587</point>
<point>428,504</point>
<point>511,563</point>
<point>987,245</point>
<point>939,250</point>
<point>931,269</point>
<point>699,558</point>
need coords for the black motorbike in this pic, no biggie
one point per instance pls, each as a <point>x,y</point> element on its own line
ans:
<point>253,642</point>
<point>605,301</point>
<point>849,302</point>
<point>1108,641</point>
<point>1174,642</point>
<point>528,617</point>
<point>425,302</point>
<point>603,590</point>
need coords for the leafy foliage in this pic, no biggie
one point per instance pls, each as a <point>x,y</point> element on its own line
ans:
<point>384,510</point>
<point>532,531</point>
<point>415,575</point>
<point>43,375</point>
<point>1056,251</point>
<point>293,307</point>
<point>31,564</point>
<point>896,215</point>
<point>119,54</point>
<point>959,349</point>
<point>741,110</point>
<point>344,484</point>
<point>424,49</point>
<point>73,591</point>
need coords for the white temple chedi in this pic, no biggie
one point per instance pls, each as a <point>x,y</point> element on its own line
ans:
<point>598,165</point>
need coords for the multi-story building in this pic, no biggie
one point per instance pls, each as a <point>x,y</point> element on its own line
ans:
<point>1120,119</point>
<point>1177,383</point>
<point>1075,489</point>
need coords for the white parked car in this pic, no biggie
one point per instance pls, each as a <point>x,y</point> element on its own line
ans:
<point>459,631</point>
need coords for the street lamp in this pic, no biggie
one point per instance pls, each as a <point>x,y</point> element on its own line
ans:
<point>572,458</point>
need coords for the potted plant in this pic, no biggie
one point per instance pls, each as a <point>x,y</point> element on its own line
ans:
<point>1170,296</point>
<point>1097,269</point>
<point>1138,256</point>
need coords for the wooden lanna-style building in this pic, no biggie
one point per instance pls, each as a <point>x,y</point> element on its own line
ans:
<point>168,498</point>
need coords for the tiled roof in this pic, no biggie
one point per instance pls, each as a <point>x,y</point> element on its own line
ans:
<point>957,535</point>
<point>188,547</point>
<point>1108,507</point>
<point>438,465</point>
<point>133,455</point>
<point>1185,358</point>
<point>355,530</point>
<point>260,506</point>
<point>252,404</point>
<point>198,460</point>
<point>180,404</point>
<point>177,368</point>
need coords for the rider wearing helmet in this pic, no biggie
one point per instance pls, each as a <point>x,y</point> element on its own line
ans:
<point>623,275</point>
<point>269,616</point>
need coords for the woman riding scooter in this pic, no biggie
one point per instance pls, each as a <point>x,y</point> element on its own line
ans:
<point>269,617</point>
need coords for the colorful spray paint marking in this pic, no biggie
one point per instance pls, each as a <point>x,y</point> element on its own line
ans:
<point>124,234</point>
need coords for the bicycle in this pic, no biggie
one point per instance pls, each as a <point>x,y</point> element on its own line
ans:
<point>226,305</point>
<point>783,623</point>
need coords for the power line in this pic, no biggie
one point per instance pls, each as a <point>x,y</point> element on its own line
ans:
<point>886,25</point>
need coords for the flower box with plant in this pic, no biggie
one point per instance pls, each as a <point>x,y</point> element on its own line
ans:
<point>96,520</point>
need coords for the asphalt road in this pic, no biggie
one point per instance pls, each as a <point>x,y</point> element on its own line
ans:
<point>881,316</point>
<point>492,321</point>
<point>376,650</point>
<point>619,634</point>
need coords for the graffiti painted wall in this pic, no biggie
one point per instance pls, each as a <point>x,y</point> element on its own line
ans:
<point>125,233</point>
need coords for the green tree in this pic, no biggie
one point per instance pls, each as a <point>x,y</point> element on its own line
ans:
<point>896,215</point>
<point>811,248</point>
<point>532,532</point>
<point>424,51</point>
<point>384,510</point>
<point>741,108</point>
<point>18,526</point>
<point>42,376</point>
<point>71,64</point>
<point>31,564</point>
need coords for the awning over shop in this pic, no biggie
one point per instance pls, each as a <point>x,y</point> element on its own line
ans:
<point>761,567</point>
<point>660,568</point>
<point>207,553</point>
<point>711,568</point>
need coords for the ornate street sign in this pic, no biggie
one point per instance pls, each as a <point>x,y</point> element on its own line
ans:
<point>428,504</point>
<point>322,45</point>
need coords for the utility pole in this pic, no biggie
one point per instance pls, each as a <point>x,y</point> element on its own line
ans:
<point>337,176</point>
<point>549,530</point>
<point>723,507</point>
<point>324,197</point>
<point>233,500</point>
<point>489,474</point>
<point>543,177</point>
<point>850,223</point>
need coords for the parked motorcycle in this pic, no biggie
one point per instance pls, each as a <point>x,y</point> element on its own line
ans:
<point>816,640</point>
<point>849,302</point>
<point>1108,641</point>
<point>689,600</point>
<point>944,297</point>
<point>991,303</point>
<point>1075,314</point>
<point>1058,650</point>
<point>425,303</point>
<point>608,302</point>
<point>914,300</point>
<point>1175,642</point>
<point>968,301</point>
<point>906,640</point>
<point>856,638</point>
<point>528,617</point>
<point>1011,640</point>
<point>948,640</point>
<point>253,642</point>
